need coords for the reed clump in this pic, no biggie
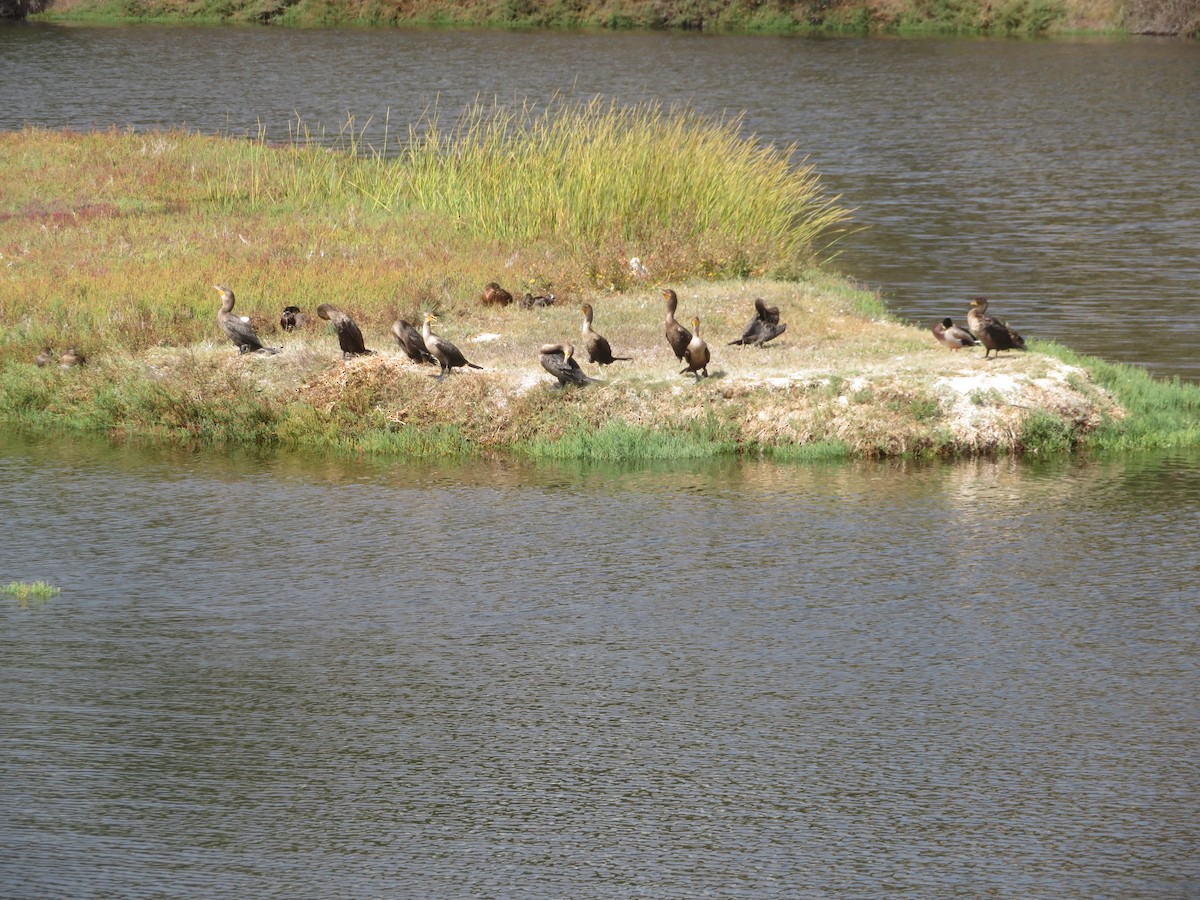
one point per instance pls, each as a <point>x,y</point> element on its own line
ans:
<point>39,591</point>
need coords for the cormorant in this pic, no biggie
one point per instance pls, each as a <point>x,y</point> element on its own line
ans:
<point>493,294</point>
<point>953,336</point>
<point>598,348</point>
<point>447,355</point>
<point>411,342</point>
<point>990,331</point>
<point>558,360</point>
<point>46,357</point>
<point>291,318</point>
<point>765,326</point>
<point>241,333</point>
<point>697,354</point>
<point>71,358</point>
<point>350,339</point>
<point>677,336</point>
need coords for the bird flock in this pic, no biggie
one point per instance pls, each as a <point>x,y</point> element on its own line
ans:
<point>426,347</point>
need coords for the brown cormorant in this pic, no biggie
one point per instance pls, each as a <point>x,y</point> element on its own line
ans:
<point>697,354</point>
<point>990,331</point>
<point>598,348</point>
<point>411,342</point>
<point>71,358</point>
<point>350,339</point>
<point>559,361</point>
<point>493,294</point>
<point>46,357</point>
<point>241,333</point>
<point>291,318</point>
<point>447,355</point>
<point>677,336</point>
<point>765,326</point>
<point>953,336</point>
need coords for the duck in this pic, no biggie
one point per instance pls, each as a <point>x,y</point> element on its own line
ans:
<point>447,355</point>
<point>71,358</point>
<point>411,342</point>
<point>697,353</point>
<point>598,349</point>
<point>291,319</point>
<point>990,331</point>
<point>558,360</point>
<point>953,336</point>
<point>677,336</point>
<point>494,295</point>
<point>46,357</point>
<point>237,329</point>
<point>541,300</point>
<point>349,336</point>
<point>765,326</point>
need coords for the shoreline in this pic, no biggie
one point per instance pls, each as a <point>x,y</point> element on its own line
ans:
<point>1012,18</point>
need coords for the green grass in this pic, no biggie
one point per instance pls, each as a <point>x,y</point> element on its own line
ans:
<point>26,591</point>
<point>1160,413</point>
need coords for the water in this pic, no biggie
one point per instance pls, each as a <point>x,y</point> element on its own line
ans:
<point>1055,177</point>
<point>296,677</point>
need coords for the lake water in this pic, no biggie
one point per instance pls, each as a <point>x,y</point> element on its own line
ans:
<point>284,676</point>
<point>1059,178</point>
<point>305,678</point>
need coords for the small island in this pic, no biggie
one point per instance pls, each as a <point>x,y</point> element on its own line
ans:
<point>113,241</point>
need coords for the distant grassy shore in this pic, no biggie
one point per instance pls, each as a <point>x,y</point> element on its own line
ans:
<point>111,242</point>
<point>1014,17</point>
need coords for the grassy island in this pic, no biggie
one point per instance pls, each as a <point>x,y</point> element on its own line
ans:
<point>112,242</point>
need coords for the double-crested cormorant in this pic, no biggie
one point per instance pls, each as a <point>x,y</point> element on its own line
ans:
<point>559,361</point>
<point>411,342</point>
<point>241,333</point>
<point>677,336</point>
<point>953,336</point>
<point>350,339</point>
<point>495,295</point>
<point>46,357</point>
<point>598,348</point>
<point>447,355</point>
<point>71,358</point>
<point>291,318</point>
<point>697,354</point>
<point>990,331</point>
<point>765,326</point>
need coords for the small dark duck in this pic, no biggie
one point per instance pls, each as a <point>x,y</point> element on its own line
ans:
<point>990,331</point>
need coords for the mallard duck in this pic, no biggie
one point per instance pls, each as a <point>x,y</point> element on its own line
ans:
<point>953,336</point>
<point>494,295</point>
<point>71,358</point>
<point>765,326</point>
<point>990,331</point>
<point>447,355</point>
<point>558,360</point>
<point>45,358</point>
<point>237,329</point>
<point>696,353</point>
<point>598,349</point>
<point>349,337</point>
<point>411,342</point>
<point>677,336</point>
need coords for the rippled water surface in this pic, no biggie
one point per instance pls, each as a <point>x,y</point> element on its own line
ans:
<point>1056,177</point>
<point>288,677</point>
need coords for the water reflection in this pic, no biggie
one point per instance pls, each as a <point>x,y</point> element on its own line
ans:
<point>326,677</point>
